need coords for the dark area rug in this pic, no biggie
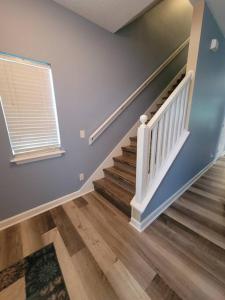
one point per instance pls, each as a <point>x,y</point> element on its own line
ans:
<point>43,276</point>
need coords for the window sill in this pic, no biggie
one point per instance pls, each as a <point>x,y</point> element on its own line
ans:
<point>36,156</point>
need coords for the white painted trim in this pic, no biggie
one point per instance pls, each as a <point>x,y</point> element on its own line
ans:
<point>195,36</point>
<point>134,95</point>
<point>36,156</point>
<point>141,226</point>
<point>141,206</point>
<point>221,141</point>
<point>41,209</point>
<point>194,44</point>
<point>137,225</point>
<point>117,151</point>
<point>222,154</point>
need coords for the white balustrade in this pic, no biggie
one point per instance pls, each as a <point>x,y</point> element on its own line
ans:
<point>160,140</point>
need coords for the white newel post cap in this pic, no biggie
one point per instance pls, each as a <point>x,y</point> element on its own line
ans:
<point>143,119</point>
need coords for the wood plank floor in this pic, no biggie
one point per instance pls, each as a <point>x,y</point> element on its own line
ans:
<point>180,256</point>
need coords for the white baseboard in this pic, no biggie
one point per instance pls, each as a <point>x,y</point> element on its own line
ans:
<point>220,154</point>
<point>117,151</point>
<point>141,226</point>
<point>41,209</point>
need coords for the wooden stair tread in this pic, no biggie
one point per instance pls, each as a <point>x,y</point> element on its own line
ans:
<point>133,141</point>
<point>210,189</point>
<point>216,170</point>
<point>205,202</point>
<point>196,240</point>
<point>128,160</point>
<point>216,179</point>
<point>185,272</point>
<point>120,197</point>
<point>115,189</point>
<point>213,183</point>
<point>134,138</point>
<point>199,250</point>
<point>202,212</point>
<point>131,149</point>
<point>196,226</point>
<point>125,176</point>
<point>206,194</point>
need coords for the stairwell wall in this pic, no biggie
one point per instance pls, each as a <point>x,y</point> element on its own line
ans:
<point>206,119</point>
<point>94,71</point>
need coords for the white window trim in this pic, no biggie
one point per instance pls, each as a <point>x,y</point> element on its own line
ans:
<point>36,156</point>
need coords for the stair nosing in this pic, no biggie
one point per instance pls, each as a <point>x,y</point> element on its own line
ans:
<point>210,235</point>
<point>131,162</point>
<point>113,171</point>
<point>117,186</point>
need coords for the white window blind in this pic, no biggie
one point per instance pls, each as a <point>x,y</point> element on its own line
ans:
<point>28,101</point>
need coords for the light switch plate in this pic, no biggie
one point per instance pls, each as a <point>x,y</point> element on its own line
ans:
<point>81,176</point>
<point>214,46</point>
<point>82,133</point>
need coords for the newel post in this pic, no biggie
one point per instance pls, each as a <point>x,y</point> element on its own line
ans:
<point>143,139</point>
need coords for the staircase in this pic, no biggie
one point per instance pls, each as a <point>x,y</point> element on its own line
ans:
<point>118,185</point>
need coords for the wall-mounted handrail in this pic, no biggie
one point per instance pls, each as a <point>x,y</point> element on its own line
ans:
<point>137,92</point>
<point>159,142</point>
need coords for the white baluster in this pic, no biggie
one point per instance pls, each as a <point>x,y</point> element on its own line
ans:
<point>188,106</point>
<point>170,135</point>
<point>143,139</point>
<point>165,135</point>
<point>153,152</point>
<point>159,143</point>
<point>181,114</point>
<point>177,110</point>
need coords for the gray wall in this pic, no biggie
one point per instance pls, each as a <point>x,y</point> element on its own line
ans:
<point>94,71</point>
<point>206,116</point>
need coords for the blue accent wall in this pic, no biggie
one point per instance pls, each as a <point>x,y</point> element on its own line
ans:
<point>207,115</point>
<point>94,71</point>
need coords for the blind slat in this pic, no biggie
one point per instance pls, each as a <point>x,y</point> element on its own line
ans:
<point>29,135</point>
<point>26,150</point>
<point>37,143</point>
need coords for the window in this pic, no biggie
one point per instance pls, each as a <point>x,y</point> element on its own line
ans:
<point>28,102</point>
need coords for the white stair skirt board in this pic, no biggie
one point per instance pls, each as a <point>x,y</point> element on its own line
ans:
<point>98,173</point>
<point>117,151</point>
<point>141,226</point>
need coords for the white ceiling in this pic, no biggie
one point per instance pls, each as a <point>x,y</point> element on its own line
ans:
<point>109,14</point>
<point>217,7</point>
